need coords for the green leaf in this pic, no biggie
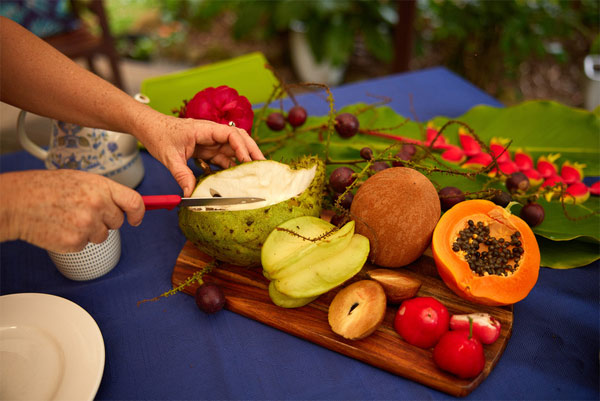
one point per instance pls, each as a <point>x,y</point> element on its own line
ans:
<point>378,42</point>
<point>567,254</point>
<point>558,227</point>
<point>339,41</point>
<point>539,127</point>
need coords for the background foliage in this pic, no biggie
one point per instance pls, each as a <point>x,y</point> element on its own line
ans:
<point>513,49</point>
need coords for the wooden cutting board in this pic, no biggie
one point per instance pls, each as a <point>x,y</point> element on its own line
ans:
<point>246,293</point>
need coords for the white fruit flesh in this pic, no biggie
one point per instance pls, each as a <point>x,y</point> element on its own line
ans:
<point>273,181</point>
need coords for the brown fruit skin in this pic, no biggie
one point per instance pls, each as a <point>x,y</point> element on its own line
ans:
<point>397,286</point>
<point>397,210</point>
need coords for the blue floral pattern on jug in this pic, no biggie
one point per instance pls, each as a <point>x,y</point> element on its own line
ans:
<point>83,149</point>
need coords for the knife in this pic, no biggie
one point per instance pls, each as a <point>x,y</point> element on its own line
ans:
<point>153,202</point>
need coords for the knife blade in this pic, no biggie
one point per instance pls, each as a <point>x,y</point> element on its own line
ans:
<point>153,202</point>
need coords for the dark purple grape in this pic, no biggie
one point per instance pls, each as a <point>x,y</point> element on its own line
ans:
<point>450,196</point>
<point>338,219</point>
<point>341,178</point>
<point>379,166</point>
<point>296,116</point>
<point>517,182</point>
<point>346,202</point>
<point>210,298</point>
<point>533,214</point>
<point>366,153</point>
<point>346,125</point>
<point>502,198</point>
<point>406,153</point>
<point>276,121</point>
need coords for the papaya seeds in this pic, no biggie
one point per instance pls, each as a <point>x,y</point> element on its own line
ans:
<point>485,254</point>
<point>397,210</point>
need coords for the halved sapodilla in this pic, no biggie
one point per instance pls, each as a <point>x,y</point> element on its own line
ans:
<point>485,254</point>
<point>235,234</point>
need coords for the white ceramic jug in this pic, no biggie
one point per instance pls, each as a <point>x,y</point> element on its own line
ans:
<point>112,154</point>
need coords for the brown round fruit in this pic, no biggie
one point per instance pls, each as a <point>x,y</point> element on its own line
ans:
<point>397,210</point>
<point>357,310</point>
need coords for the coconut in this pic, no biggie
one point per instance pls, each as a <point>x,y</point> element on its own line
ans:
<point>236,233</point>
<point>397,210</point>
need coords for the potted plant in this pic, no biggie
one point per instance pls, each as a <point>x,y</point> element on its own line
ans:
<point>328,28</point>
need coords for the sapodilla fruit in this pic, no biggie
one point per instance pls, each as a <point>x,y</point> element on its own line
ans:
<point>397,210</point>
<point>357,310</point>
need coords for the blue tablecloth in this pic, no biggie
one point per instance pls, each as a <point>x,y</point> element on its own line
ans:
<point>170,350</point>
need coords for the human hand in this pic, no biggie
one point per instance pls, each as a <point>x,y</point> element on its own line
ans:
<point>173,141</point>
<point>63,210</point>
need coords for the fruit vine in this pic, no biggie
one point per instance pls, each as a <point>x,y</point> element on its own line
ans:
<point>426,156</point>
<point>194,278</point>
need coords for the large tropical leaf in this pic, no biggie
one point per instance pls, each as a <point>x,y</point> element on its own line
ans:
<point>567,254</point>
<point>541,128</point>
<point>569,234</point>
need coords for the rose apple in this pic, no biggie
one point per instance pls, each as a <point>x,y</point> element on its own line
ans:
<point>421,321</point>
<point>459,353</point>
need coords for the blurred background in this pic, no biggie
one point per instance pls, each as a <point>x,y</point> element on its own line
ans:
<point>515,50</point>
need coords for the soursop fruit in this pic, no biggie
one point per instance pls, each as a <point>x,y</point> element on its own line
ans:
<point>235,234</point>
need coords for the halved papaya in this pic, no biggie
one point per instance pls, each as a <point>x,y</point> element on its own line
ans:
<point>485,254</point>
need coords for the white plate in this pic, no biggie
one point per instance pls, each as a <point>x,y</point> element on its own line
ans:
<point>50,349</point>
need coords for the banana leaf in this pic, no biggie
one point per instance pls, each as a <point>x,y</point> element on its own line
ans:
<point>579,253</point>
<point>569,235</point>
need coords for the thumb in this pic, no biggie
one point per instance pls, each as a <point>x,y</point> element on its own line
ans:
<point>184,177</point>
<point>129,201</point>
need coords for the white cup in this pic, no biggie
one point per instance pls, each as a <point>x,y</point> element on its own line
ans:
<point>95,260</point>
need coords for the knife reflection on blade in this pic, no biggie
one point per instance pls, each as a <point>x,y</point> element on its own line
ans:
<point>152,202</point>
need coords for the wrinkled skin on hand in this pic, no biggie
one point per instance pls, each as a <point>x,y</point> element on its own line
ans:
<point>173,141</point>
<point>63,210</point>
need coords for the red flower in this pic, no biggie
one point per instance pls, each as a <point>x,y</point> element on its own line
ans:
<point>222,105</point>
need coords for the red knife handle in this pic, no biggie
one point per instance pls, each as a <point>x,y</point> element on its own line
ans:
<point>153,202</point>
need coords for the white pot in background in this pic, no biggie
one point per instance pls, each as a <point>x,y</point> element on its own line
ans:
<point>305,65</point>
<point>591,66</point>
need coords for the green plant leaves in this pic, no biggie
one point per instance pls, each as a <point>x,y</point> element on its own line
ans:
<point>567,254</point>
<point>541,128</point>
<point>570,234</point>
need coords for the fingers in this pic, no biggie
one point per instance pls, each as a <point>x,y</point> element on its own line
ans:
<point>99,235</point>
<point>223,161</point>
<point>129,201</point>
<point>184,177</point>
<point>244,147</point>
<point>253,149</point>
<point>112,216</point>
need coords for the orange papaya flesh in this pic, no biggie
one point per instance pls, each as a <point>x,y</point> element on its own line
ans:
<point>498,287</point>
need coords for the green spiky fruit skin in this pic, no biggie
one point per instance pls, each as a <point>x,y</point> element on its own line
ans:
<point>236,237</point>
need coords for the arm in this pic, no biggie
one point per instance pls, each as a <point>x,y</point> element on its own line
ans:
<point>36,77</point>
